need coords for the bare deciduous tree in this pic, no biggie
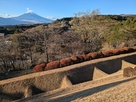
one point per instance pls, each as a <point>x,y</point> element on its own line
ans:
<point>89,33</point>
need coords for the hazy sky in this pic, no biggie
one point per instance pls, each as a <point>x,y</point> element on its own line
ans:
<point>65,8</point>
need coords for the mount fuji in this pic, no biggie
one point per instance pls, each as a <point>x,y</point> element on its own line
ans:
<point>26,18</point>
<point>32,18</point>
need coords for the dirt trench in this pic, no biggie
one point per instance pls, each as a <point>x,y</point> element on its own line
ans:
<point>36,83</point>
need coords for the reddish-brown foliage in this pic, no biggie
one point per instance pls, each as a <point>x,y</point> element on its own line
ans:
<point>39,67</point>
<point>107,53</point>
<point>86,58</point>
<point>75,59</point>
<point>52,65</point>
<point>128,49</point>
<point>134,48</point>
<point>99,54</point>
<point>66,62</point>
<point>89,55</point>
<point>122,50</point>
<point>96,55</point>
<point>80,58</point>
<point>116,52</point>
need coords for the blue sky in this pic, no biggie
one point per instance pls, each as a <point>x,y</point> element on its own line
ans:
<point>65,8</point>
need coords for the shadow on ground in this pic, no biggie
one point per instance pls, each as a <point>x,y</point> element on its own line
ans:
<point>88,92</point>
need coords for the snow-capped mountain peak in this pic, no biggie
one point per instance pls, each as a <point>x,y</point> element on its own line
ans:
<point>26,18</point>
<point>33,18</point>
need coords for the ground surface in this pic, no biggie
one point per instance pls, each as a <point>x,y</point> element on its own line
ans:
<point>112,88</point>
<point>124,92</point>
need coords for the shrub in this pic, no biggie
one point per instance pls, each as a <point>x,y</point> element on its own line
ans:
<point>52,65</point>
<point>39,68</point>
<point>128,72</point>
<point>66,62</point>
<point>107,53</point>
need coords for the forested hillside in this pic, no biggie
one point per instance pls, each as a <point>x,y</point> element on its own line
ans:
<point>31,45</point>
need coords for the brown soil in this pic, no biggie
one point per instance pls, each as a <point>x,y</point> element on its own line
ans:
<point>114,88</point>
<point>124,92</point>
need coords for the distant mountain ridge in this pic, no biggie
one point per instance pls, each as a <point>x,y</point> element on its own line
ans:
<point>27,18</point>
<point>128,15</point>
<point>33,18</point>
<point>10,21</point>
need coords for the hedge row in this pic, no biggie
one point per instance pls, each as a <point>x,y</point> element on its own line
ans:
<point>81,58</point>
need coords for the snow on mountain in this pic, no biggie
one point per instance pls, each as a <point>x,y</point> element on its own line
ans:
<point>27,18</point>
<point>32,18</point>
